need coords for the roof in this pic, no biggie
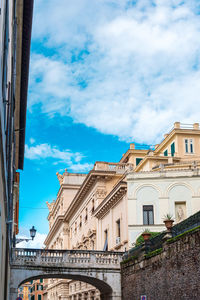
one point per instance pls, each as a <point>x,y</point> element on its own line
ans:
<point>25,58</point>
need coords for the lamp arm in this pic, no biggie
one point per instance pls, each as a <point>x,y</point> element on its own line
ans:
<point>21,240</point>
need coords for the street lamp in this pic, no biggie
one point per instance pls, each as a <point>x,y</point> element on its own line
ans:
<point>32,234</point>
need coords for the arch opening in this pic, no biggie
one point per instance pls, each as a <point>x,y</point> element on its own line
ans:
<point>103,287</point>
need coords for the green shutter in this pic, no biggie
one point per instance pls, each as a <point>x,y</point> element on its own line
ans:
<point>41,280</point>
<point>172,149</point>
<point>138,160</point>
<point>166,153</point>
<point>39,297</point>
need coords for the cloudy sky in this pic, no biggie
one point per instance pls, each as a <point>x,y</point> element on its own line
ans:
<point>104,73</point>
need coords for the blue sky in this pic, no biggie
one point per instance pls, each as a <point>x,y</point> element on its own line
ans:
<point>103,74</point>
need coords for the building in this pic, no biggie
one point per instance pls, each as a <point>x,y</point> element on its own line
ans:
<point>32,290</point>
<point>108,208</point>
<point>15,36</point>
<point>24,291</point>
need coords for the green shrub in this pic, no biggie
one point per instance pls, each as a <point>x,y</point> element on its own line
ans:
<point>140,239</point>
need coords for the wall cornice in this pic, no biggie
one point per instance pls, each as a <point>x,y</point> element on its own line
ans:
<point>112,198</point>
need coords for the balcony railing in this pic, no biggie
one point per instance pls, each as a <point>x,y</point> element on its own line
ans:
<point>115,167</point>
<point>74,258</point>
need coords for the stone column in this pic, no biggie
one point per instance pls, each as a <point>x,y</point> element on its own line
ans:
<point>13,293</point>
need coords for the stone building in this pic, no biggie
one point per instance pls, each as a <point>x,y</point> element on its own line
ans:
<point>108,208</point>
<point>15,36</point>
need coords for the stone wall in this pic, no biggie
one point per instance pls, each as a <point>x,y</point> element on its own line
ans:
<point>172,274</point>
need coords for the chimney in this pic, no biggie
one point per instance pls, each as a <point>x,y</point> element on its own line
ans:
<point>132,146</point>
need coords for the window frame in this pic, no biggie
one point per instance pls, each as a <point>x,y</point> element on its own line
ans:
<point>189,145</point>
<point>147,208</point>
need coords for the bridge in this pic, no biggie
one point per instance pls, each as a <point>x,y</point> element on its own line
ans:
<point>99,268</point>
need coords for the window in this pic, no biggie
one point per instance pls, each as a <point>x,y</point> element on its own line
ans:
<point>92,205</point>
<point>138,160</point>
<point>41,280</point>
<point>166,153</point>
<point>118,228</point>
<point>39,297</point>
<point>148,218</point>
<point>80,222</point>
<point>86,215</point>
<point>172,149</point>
<point>186,146</point>
<point>189,146</point>
<point>105,248</point>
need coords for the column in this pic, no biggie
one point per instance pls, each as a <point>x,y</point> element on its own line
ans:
<point>13,293</point>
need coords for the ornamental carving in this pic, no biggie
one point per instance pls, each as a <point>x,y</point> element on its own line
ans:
<point>100,193</point>
<point>60,178</point>
<point>66,228</point>
<point>50,205</point>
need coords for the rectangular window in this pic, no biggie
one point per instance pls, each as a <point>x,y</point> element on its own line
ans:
<point>166,153</point>
<point>39,297</point>
<point>138,160</point>
<point>118,228</point>
<point>172,149</point>
<point>105,248</point>
<point>86,215</point>
<point>148,218</point>
<point>186,146</point>
<point>191,146</point>
<point>41,280</point>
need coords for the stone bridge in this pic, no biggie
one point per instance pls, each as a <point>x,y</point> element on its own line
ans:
<point>99,268</point>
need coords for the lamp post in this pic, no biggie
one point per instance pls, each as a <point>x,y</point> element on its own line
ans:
<point>32,234</point>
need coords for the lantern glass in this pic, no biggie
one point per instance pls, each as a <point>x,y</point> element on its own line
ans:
<point>32,232</point>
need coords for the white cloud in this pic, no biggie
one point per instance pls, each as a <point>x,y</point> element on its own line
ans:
<point>127,70</point>
<point>32,141</point>
<point>73,160</point>
<point>37,243</point>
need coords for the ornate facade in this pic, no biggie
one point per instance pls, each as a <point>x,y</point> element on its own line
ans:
<point>108,208</point>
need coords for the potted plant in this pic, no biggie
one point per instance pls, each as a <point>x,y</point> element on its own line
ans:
<point>146,234</point>
<point>168,220</point>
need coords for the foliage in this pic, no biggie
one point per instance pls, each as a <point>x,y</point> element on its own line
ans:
<point>183,234</point>
<point>153,253</point>
<point>168,217</point>
<point>146,230</point>
<point>131,258</point>
<point>140,239</point>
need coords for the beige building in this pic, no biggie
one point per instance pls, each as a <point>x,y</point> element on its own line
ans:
<point>108,208</point>
<point>15,36</point>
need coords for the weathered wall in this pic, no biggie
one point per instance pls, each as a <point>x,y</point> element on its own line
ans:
<point>173,274</point>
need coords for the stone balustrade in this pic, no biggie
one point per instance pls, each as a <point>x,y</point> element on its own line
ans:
<point>67,258</point>
<point>115,167</point>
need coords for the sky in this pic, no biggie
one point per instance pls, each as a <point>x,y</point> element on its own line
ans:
<point>103,74</point>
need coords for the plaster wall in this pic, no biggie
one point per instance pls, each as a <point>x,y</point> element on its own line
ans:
<point>109,222</point>
<point>164,192</point>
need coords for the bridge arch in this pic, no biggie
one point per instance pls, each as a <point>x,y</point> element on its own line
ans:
<point>102,286</point>
<point>98,268</point>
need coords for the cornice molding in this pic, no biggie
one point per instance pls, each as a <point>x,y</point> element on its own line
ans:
<point>112,198</point>
<point>89,181</point>
<point>54,229</point>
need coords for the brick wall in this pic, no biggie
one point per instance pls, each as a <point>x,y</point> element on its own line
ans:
<point>172,274</point>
